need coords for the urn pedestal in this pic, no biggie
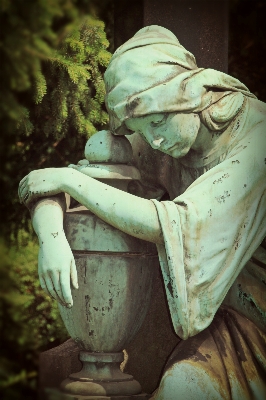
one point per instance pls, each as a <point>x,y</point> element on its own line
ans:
<point>115,273</point>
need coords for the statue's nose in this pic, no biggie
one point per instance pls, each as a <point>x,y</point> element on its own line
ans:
<point>157,142</point>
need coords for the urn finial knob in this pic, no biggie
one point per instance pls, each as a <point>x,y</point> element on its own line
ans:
<point>104,147</point>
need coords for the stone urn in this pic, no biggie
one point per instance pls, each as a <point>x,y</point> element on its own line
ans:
<point>115,273</point>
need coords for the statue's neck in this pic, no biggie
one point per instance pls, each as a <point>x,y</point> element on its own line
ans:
<point>205,140</point>
<point>209,145</point>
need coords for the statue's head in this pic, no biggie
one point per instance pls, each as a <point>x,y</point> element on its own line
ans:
<point>172,133</point>
<point>152,79</point>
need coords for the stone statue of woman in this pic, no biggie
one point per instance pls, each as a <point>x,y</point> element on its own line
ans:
<point>213,130</point>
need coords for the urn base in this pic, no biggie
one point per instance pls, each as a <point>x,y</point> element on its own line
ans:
<point>97,388</point>
<point>55,394</point>
<point>101,376</point>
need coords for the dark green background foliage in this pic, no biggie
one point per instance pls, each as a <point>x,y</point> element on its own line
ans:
<point>29,320</point>
<point>53,54</point>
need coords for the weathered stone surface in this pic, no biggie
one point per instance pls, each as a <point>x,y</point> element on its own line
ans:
<point>153,344</point>
<point>56,364</point>
<point>103,147</point>
<point>100,236</point>
<point>52,394</point>
<point>148,350</point>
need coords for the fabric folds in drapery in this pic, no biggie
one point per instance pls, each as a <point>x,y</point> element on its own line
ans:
<point>227,361</point>
<point>211,231</point>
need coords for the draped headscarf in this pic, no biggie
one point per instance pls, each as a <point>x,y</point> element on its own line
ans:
<point>153,73</point>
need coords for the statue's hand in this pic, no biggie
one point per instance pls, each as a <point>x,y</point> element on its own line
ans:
<point>39,183</point>
<point>57,269</point>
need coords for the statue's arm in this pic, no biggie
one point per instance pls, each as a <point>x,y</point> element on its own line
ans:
<point>133,215</point>
<point>56,264</point>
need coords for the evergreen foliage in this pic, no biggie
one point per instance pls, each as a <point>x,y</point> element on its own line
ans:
<point>53,56</point>
<point>74,84</point>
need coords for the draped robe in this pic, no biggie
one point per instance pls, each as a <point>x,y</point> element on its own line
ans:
<point>215,291</point>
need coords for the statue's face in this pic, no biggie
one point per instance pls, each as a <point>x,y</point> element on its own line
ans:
<point>171,133</point>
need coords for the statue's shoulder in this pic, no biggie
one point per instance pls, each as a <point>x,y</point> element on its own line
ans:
<point>257,106</point>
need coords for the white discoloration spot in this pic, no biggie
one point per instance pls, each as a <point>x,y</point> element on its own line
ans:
<point>157,142</point>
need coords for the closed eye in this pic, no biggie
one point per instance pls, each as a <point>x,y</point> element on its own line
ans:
<point>159,122</point>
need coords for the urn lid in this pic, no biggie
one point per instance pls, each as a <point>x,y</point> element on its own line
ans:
<point>104,147</point>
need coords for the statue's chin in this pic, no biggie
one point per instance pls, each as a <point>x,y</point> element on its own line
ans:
<point>177,152</point>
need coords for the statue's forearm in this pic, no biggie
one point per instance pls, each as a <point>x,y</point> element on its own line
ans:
<point>133,215</point>
<point>56,264</point>
<point>47,217</point>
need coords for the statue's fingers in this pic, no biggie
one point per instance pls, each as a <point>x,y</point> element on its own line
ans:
<point>19,196</point>
<point>65,287</point>
<point>55,277</point>
<point>23,184</point>
<point>29,196</point>
<point>23,180</point>
<point>72,166</point>
<point>25,195</point>
<point>43,285</point>
<point>21,192</point>
<point>74,274</point>
<point>51,290</point>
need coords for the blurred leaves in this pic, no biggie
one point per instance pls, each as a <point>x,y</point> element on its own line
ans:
<point>29,319</point>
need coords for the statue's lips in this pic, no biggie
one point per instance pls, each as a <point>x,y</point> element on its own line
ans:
<point>173,147</point>
<point>182,151</point>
